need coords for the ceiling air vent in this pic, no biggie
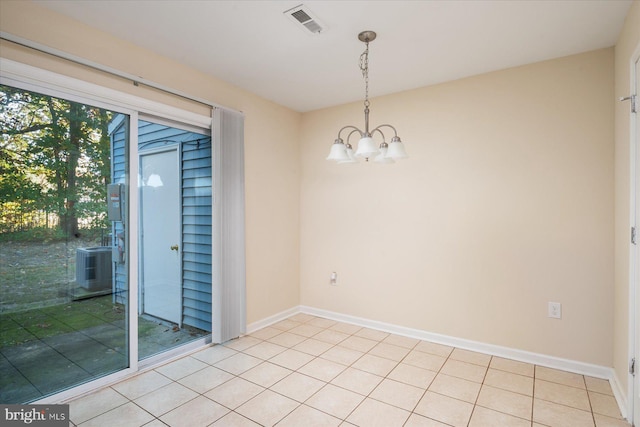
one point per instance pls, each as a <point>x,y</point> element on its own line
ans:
<point>301,15</point>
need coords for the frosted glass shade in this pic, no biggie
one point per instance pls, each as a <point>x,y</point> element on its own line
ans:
<point>338,152</point>
<point>396,149</point>
<point>366,147</point>
<point>382,157</point>
<point>352,157</point>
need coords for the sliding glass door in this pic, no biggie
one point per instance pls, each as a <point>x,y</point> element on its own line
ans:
<point>65,240</point>
<point>63,244</point>
<point>105,234</point>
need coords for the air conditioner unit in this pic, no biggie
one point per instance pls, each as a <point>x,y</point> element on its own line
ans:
<point>93,268</point>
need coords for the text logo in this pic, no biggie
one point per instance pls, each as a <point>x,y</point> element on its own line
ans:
<point>34,415</point>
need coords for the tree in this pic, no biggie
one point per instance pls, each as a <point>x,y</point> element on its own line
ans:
<point>54,156</point>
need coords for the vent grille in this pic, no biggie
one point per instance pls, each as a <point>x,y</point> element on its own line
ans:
<point>302,15</point>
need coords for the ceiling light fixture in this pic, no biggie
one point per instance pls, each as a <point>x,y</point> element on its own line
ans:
<point>385,153</point>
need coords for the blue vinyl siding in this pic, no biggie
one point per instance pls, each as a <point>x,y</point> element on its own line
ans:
<point>118,171</point>
<point>195,152</point>
<point>196,232</point>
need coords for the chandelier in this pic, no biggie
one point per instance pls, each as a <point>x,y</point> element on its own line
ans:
<point>367,147</point>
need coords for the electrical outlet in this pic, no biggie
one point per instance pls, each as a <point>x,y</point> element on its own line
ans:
<point>555,310</point>
<point>334,279</point>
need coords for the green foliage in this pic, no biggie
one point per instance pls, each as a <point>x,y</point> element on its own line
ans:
<point>54,157</point>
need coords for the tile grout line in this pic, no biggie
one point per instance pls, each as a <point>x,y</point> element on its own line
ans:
<point>351,366</point>
<point>343,420</point>
<point>115,407</point>
<point>429,385</point>
<point>334,345</point>
<point>475,403</point>
<point>383,378</point>
<point>176,381</point>
<point>190,400</point>
<point>266,360</point>
<point>586,390</point>
<point>413,348</point>
<point>533,394</point>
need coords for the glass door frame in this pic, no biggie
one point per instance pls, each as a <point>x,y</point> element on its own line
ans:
<point>35,79</point>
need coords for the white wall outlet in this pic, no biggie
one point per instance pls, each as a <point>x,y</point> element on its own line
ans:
<point>555,310</point>
<point>334,279</point>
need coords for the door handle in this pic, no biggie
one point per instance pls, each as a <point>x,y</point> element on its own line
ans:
<point>174,248</point>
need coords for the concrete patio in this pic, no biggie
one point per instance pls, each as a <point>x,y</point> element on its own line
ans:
<point>46,350</point>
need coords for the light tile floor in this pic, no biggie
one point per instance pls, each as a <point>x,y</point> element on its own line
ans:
<point>308,371</point>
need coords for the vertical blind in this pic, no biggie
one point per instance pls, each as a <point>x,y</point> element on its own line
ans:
<point>228,236</point>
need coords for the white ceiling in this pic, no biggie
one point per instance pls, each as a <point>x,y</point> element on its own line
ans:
<point>253,45</point>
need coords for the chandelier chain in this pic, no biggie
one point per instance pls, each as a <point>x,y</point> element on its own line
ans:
<point>364,67</point>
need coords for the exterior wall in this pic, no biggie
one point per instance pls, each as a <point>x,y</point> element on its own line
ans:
<point>118,172</point>
<point>196,231</point>
<point>628,42</point>
<point>195,153</point>
<point>196,214</point>
<point>271,138</point>
<point>505,204</point>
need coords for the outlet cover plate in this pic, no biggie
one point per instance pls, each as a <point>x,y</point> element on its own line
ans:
<point>555,310</point>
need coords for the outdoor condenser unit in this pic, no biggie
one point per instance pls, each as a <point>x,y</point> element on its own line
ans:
<point>93,268</point>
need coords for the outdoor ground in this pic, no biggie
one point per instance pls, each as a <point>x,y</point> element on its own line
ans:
<point>50,341</point>
<point>38,274</point>
<point>46,350</point>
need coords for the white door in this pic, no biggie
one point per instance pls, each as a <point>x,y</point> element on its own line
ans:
<point>160,229</point>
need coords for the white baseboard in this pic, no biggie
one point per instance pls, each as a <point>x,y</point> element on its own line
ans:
<point>596,371</point>
<point>252,327</point>
<point>619,394</point>
<point>592,370</point>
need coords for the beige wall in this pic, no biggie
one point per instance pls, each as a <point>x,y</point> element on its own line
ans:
<point>271,137</point>
<point>628,42</point>
<point>506,203</point>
